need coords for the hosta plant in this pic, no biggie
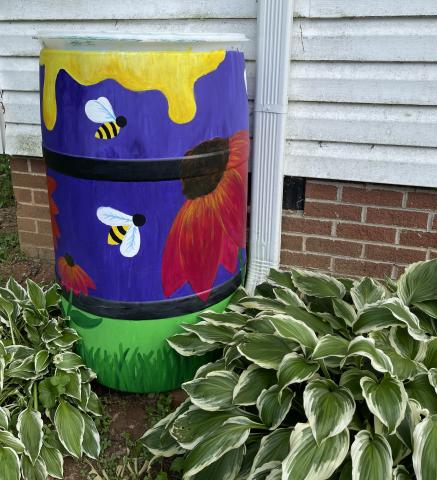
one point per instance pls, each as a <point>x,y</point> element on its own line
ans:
<point>47,408</point>
<point>316,378</point>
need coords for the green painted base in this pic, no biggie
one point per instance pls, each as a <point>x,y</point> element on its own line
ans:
<point>133,355</point>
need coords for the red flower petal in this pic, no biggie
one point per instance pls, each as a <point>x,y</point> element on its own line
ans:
<point>239,146</point>
<point>229,254</point>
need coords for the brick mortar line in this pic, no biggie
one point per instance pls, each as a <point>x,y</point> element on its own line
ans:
<point>361,205</point>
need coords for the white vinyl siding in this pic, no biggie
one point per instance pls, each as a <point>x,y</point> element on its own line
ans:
<point>362,89</point>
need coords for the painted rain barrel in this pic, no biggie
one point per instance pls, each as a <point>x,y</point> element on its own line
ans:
<point>146,144</point>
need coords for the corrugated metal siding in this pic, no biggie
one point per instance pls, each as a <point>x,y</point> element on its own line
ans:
<point>363,84</point>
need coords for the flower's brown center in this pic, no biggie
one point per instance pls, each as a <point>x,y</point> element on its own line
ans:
<point>69,260</point>
<point>203,167</point>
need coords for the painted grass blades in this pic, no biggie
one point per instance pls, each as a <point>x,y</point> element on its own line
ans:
<point>425,448</point>
<point>30,431</point>
<point>309,461</point>
<point>328,407</point>
<point>387,399</point>
<point>371,457</point>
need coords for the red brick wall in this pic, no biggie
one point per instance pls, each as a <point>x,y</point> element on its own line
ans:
<point>33,217</point>
<point>360,229</point>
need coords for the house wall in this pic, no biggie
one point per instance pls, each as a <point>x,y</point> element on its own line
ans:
<point>362,108</point>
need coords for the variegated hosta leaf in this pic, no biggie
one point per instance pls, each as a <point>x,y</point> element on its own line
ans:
<point>406,428</point>
<point>210,333</point>
<point>189,344</point>
<point>418,283</point>
<point>315,321</point>
<point>214,392</point>
<point>295,330</point>
<point>273,406</point>
<point>195,425</point>
<point>386,398</point>
<point>210,367</point>
<point>401,473</point>
<point>228,319</point>
<point>251,383</point>
<point>267,351</point>
<point>4,417</point>
<point>365,292</point>
<point>328,407</point>
<point>70,427</point>
<point>317,284</point>
<point>233,434</point>
<point>287,296</point>
<point>225,468</point>
<point>295,368</point>
<point>330,346</point>
<point>361,346</point>
<point>351,378</point>
<point>374,317</point>
<point>273,448</point>
<point>406,345</point>
<point>430,360</point>
<point>33,471</point>
<point>432,377</point>
<point>158,439</point>
<point>420,390</point>
<point>30,432</point>
<point>7,439</point>
<point>405,315</point>
<point>68,361</point>
<point>9,464</point>
<point>371,457</point>
<point>41,361</point>
<point>309,461</point>
<point>260,324</point>
<point>263,304</point>
<point>344,311</point>
<point>91,438</point>
<point>53,460</point>
<point>283,279</point>
<point>425,448</point>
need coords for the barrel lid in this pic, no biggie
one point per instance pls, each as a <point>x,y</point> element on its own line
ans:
<point>141,42</point>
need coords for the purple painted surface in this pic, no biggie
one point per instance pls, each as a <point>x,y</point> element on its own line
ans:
<point>221,111</point>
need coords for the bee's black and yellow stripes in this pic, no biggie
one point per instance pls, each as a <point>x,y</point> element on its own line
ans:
<point>107,131</point>
<point>116,235</point>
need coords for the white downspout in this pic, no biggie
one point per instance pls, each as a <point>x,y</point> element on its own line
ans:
<point>274,24</point>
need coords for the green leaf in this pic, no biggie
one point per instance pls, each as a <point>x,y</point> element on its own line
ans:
<point>30,432</point>
<point>225,468</point>
<point>350,379</point>
<point>52,296</point>
<point>296,330</point>
<point>330,346</point>
<point>232,435</point>
<point>344,310</point>
<point>51,388</point>
<point>273,448</point>
<point>42,359</point>
<point>361,346</point>
<point>418,283</point>
<point>387,399</point>
<point>7,439</point>
<point>366,291</point>
<point>91,438</point>
<point>273,406</point>
<point>251,383</point>
<point>228,319</point>
<point>401,473</point>
<point>328,407</point>
<point>406,345</point>
<point>16,289</point>
<point>263,304</point>
<point>371,457</point>
<point>420,390</point>
<point>189,344</point>
<point>53,460</point>
<point>287,296</point>
<point>94,405</point>
<point>214,392</point>
<point>267,351</point>
<point>36,294</point>
<point>432,377</point>
<point>70,427</point>
<point>430,360</point>
<point>9,464</point>
<point>403,313</point>
<point>315,321</point>
<point>425,448</point>
<point>374,317</point>
<point>33,470</point>
<point>4,417</point>
<point>283,279</point>
<point>192,427</point>
<point>210,333</point>
<point>309,461</point>
<point>295,368</point>
<point>317,284</point>
<point>68,361</point>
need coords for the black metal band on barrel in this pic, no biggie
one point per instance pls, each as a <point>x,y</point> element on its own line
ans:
<point>154,310</point>
<point>117,170</point>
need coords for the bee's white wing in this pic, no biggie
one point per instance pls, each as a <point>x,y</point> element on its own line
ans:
<point>112,217</point>
<point>131,242</point>
<point>100,110</point>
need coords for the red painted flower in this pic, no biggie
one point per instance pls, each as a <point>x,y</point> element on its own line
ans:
<point>210,228</point>
<point>73,277</point>
<point>51,186</point>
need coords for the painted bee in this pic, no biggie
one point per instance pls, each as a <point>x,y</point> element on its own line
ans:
<point>100,111</point>
<point>124,229</point>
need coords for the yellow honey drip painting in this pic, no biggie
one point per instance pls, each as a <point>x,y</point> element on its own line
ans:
<point>174,74</point>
